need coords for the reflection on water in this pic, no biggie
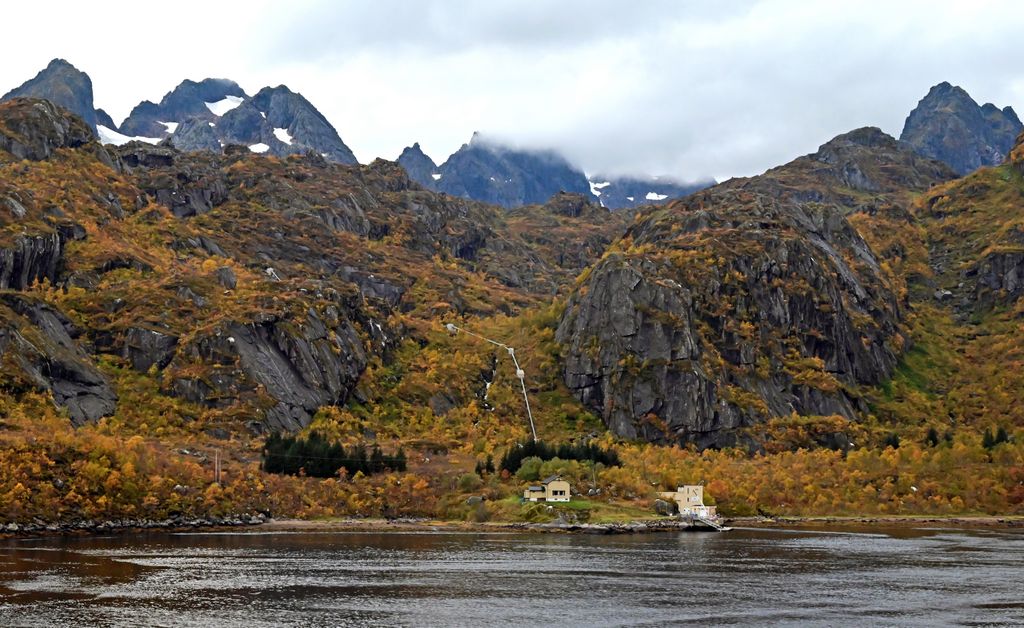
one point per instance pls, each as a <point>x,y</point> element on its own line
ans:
<point>741,578</point>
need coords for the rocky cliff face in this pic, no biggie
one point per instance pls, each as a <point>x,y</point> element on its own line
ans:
<point>948,125</point>
<point>495,174</point>
<point>38,351</point>
<point>753,299</point>
<point>64,85</point>
<point>631,192</point>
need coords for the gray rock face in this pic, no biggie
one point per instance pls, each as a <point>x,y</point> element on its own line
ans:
<point>489,172</point>
<point>196,134</point>
<point>64,85</point>
<point>185,102</point>
<point>36,341</point>
<point>146,348</point>
<point>299,365</point>
<point>750,300</point>
<point>950,126</point>
<point>38,128</point>
<point>31,259</point>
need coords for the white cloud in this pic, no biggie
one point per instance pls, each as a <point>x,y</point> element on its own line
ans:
<point>687,89</point>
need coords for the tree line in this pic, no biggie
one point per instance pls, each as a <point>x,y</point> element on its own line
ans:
<point>528,448</point>
<point>315,456</point>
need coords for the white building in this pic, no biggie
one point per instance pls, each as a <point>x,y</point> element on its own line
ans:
<point>552,489</point>
<point>690,500</point>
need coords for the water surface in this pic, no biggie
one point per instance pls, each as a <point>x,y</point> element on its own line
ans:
<point>740,578</point>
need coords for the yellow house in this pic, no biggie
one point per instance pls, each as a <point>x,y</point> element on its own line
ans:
<point>552,489</point>
<point>690,500</point>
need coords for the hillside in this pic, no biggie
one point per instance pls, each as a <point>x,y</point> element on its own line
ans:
<point>751,300</point>
<point>195,299</point>
<point>160,309</point>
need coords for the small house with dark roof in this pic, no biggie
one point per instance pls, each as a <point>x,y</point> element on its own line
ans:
<point>552,489</point>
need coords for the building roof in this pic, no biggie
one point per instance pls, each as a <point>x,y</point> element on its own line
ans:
<point>551,479</point>
<point>536,489</point>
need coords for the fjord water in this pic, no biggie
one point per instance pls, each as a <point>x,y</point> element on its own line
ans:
<point>744,577</point>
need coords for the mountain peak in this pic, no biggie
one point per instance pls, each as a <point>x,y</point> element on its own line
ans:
<point>419,166</point>
<point>950,126</point>
<point>868,136</point>
<point>58,63</point>
<point>494,173</point>
<point>189,99</point>
<point>64,85</point>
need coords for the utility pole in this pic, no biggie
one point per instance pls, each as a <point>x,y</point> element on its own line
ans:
<point>454,329</point>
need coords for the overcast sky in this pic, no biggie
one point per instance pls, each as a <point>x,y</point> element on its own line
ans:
<point>686,89</point>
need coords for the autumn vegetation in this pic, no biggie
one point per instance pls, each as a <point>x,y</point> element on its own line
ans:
<point>944,436</point>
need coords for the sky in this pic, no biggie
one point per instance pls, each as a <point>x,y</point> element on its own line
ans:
<point>671,87</point>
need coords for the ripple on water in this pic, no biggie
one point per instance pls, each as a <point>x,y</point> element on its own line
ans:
<point>742,578</point>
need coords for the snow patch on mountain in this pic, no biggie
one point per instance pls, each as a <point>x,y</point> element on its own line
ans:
<point>170,126</point>
<point>110,136</point>
<point>283,135</point>
<point>654,196</point>
<point>221,107</point>
<point>259,148</point>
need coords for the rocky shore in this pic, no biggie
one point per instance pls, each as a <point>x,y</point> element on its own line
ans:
<point>89,526</point>
<point>373,525</point>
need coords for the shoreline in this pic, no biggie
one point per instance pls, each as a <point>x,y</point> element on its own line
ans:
<point>638,526</point>
<point>250,524</point>
<point>951,521</point>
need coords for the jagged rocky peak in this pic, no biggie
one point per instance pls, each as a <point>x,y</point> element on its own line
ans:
<point>213,113</point>
<point>279,121</point>
<point>62,84</point>
<point>207,99</point>
<point>421,168</point>
<point>627,192</point>
<point>753,299</point>
<point>489,171</point>
<point>950,126</point>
